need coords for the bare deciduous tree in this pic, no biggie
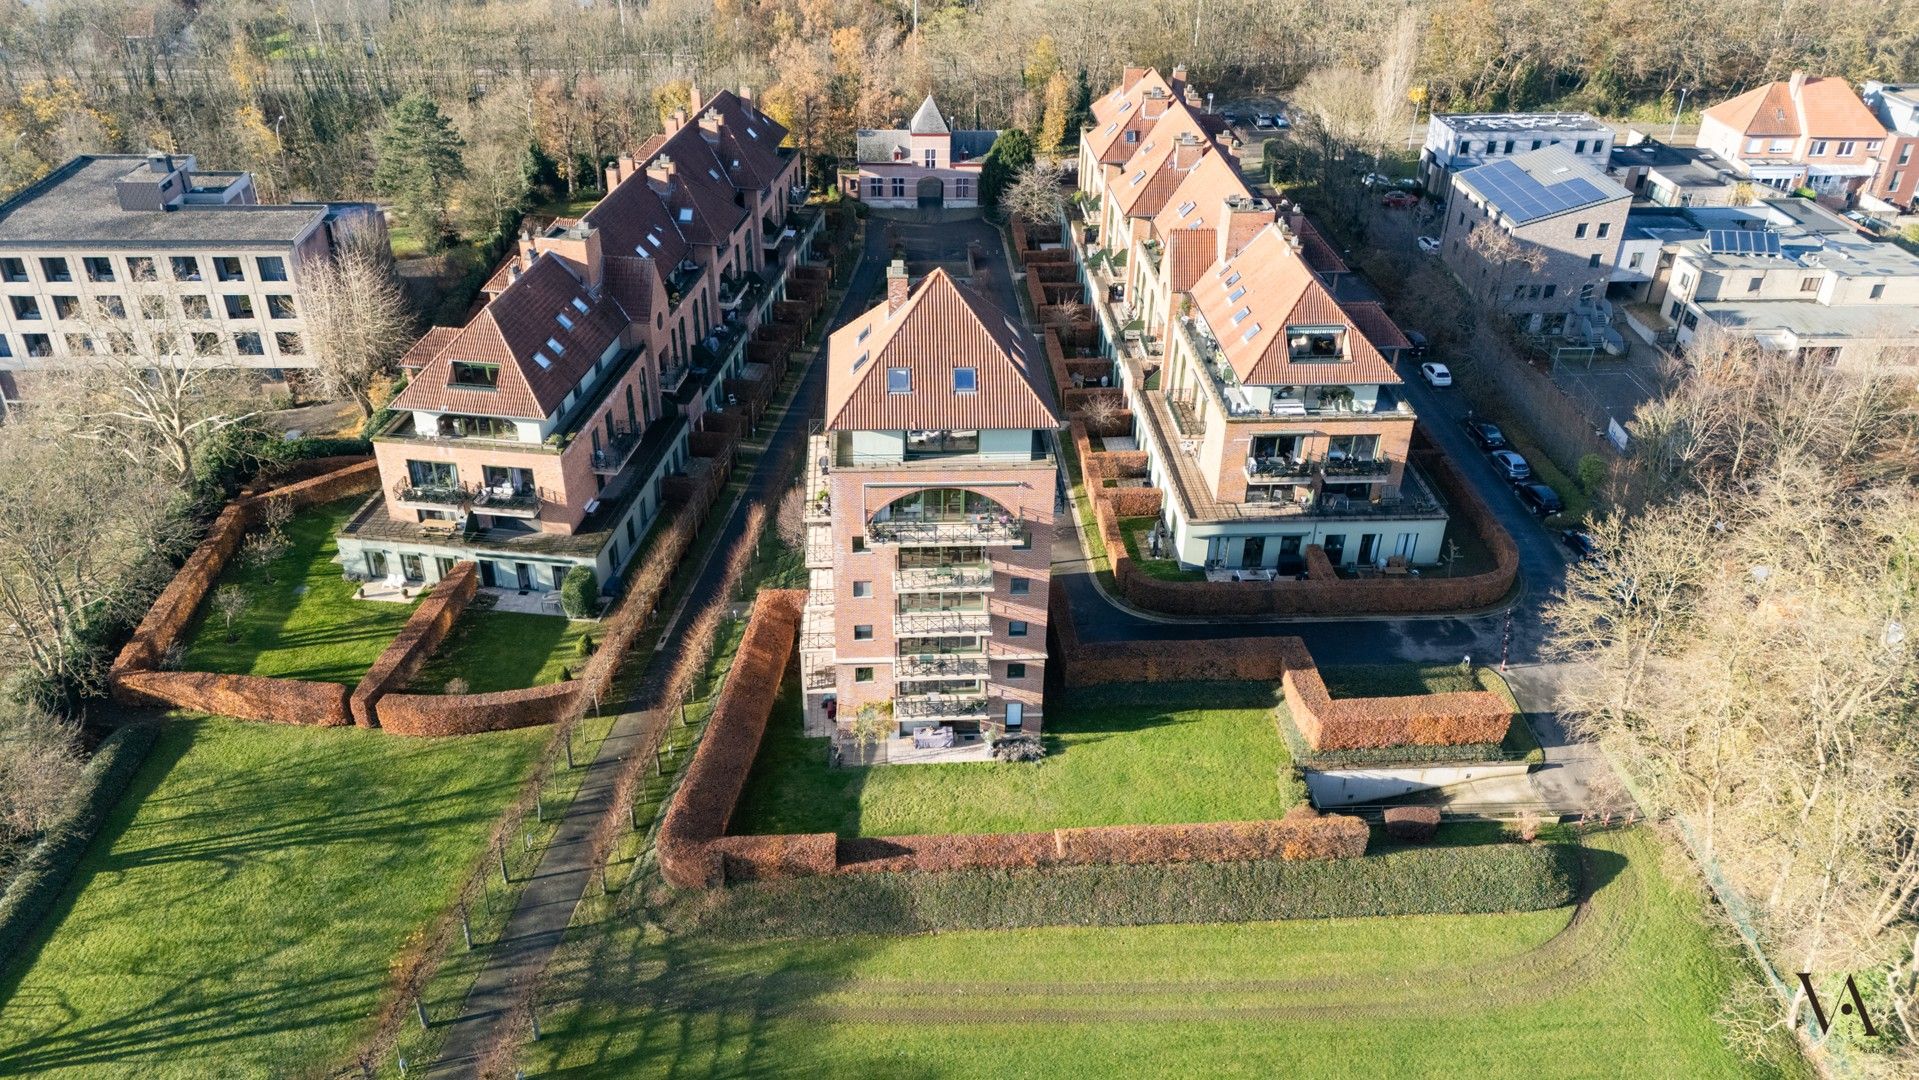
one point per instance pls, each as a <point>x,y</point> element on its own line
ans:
<point>357,321</point>
<point>1034,196</point>
<point>40,762</point>
<point>1503,252</point>
<point>230,602</point>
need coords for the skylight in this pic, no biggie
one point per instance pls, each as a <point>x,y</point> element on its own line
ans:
<point>1137,177</point>
<point>579,305</point>
<point>899,380</point>
<point>1236,294</point>
<point>750,133</point>
<point>1187,207</point>
<point>861,362</point>
<point>1234,280</point>
<point>1241,315</point>
<point>686,213</point>
<point>565,323</point>
<point>640,250</point>
<point>865,333</point>
<point>558,349</point>
<point>714,173</point>
<point>965,380</point>
<point>1250,333</point>
<point>540,359</point>
<point>653,239</point>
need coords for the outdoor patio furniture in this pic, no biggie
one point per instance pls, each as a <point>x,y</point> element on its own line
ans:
<point>938,738</point>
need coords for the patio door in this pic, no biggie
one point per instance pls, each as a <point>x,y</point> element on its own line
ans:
<point>1252,553</point>
<point>525,575</point>
<point>1368,547</point>
<point>1406,547</point>
<point>413,566</point>
<point>444,563</point>
<point>376,564</point>
<point>1015,715</point>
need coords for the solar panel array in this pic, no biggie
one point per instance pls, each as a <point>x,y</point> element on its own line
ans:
<point>1525,199</point>
<point>1743,242</point>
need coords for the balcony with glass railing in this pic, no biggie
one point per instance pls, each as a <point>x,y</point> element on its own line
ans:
<point>941,707</point>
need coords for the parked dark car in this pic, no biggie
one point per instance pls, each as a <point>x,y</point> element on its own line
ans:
<point>1419,344</point>
<point>1539,498</point>
<point>1580,543</point>
<point>1488,436</point>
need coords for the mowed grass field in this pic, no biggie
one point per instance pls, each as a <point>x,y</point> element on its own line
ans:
<point>1628,988</point>
<point>1167,754</point>
<point>302,621</point>
<point>238,913</point>
<point>506,650</point>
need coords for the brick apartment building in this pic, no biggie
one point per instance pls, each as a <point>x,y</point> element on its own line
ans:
<point>112,236</point>
<point>537,437</point>
<point>1263,400</point>
<point>925,163</point>
<point>1897,108</point>
<point>930,554</point>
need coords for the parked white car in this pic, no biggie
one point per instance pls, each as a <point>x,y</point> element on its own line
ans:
<point>1436,374</point>
<point>1429,244</point>
<point>1264,121</point>
<point>1376,180</point>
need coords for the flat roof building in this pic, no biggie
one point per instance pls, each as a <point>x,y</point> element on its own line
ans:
<point>1456,141</point>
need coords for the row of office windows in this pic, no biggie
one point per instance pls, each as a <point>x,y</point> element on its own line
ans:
<point>112,306</point>
<point>58,269</point>
<point>203,343</point>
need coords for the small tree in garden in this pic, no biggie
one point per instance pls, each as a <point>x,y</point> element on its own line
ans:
<point>267,543</point>
<point>230,602</point>
<point>1034,195</point>
<point>1100,413</point>
<point>580,593</point>
<point>873,724</point>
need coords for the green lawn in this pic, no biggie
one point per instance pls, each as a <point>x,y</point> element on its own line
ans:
<point>1125,755</point>
<point>1400,680</point>
<point>1629,990</point>
<point>239,910</point>
<point>304,622</point>
<point>1134,531</point>
<point>506,650</point>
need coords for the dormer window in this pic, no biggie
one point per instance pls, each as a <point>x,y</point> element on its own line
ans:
<point>899,380</point>
<point>474,376</point>
<point>1132,136</point>
<point>965,380</point>
<point>565,323</point>
<point>1309,344</point>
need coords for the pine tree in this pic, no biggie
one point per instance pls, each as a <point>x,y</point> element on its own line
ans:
<point>1011,152</point>
<point>1082,113</point>
<point>419,158</point>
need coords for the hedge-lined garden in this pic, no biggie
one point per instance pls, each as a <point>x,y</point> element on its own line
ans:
<point>1438,880</point>
<point>1124,755</point>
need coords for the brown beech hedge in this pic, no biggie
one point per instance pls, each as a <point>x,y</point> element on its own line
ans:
<point>416,642</point>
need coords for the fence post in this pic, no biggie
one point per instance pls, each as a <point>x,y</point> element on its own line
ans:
<point>504,877</point>
<point>466,928</point>
<point>569,748</point>
<point>533,1018</point>
<point>419,1007</point>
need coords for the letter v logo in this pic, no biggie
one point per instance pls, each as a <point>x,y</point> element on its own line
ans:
<point>1855,1007</point>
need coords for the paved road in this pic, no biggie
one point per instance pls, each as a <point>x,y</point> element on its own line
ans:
<point>538,922</point>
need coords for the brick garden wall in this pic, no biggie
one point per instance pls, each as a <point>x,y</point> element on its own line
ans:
<point>416,642</point>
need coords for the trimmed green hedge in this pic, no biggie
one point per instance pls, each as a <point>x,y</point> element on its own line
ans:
<point>43,874</point>
<point>1443,880</point>
<point>580,593</point>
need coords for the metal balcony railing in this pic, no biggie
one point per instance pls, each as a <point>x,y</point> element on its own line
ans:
<point>507,501</point>
<point>1355,466</point>
<point>940,707</point>
<point>939,578</point>
<point>997,531</point>
<point>1277,470</point>
<point>933,666</point>
<point>431,494</point>
<point>921,623</point>
<point>617,451</point>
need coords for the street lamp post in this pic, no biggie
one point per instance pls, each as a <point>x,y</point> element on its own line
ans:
<point>1676,114</point>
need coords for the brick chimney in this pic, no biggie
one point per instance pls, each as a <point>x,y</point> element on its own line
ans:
<point>661,169</point>
<point>675,122</point>
<point>1242,219</point>
<point>1187,152</point>
<point>1179,73</point>
<point>897,286</point>
<point>746,94</point>
<point>711,121</point>
<point>693,98</point>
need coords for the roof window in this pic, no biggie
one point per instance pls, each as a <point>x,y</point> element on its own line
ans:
<point>1234,296</point>
<point>565,323</point>
<point>1234,279</point>
<point>899,380</point>
<point>1250,333</point>
<point>750,133</point>
<point>558,349</point>
<point>1241,315</point>
<point>1137,177</point>
<point>1187,207</point>
<point>640,250</point>
<point>579,305</point>
<point>686,213</point>
<point>965,380</point>
<point>540,359</point>
<point>653,237</point>
<point>861,362</point>
<point>865,332</point>
<point>714,173</point>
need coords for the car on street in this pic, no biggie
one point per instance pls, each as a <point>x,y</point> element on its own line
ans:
<point>1580,543</point>
<point>1419,343</point>
<point>1230,119</point>
<point>1488,436</point>
<point>1408,184</point>
<point>1436,374</point>
<point>1539,498</point>
<point>1399,200</point>
<point>1510,465</point>
<point>1264,121</point>
<point>1376,180</point>
<point>1429,244</point>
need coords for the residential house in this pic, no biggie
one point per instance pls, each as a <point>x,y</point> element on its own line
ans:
<point>1896,185</point>
<point>1265,402</point>
<point>1806,131</point>
<point>1456,141</point>
<point>538,436</point>
<point>117,236</point>
<point>930,552</point>
<point>925,163</point>
<point>1559,207</point>
<point>1791,274</point>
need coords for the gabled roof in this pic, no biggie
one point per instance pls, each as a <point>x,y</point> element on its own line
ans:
<point>1142,185</point>
<point>515,332</point>
<point>1136,108</point>
<point>1822,107</point>
<point>927,120</point>
<point>1249,301</point>
<point>1195,202</point>
<point>941,326</point>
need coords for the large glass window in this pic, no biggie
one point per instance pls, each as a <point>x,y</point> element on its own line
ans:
<point>933,443</point>
<point>940,504</point>
<point>476,376</point>
<point>440,474</point>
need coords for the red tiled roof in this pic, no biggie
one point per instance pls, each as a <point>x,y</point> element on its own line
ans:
<point>1211,182</point>
<point>1251,299</point>
<point>1824,107</point>
<point>1319,254</point>
<point>1380,329</point>
<point>1188,254</point>
<point>511,333</point>
<point>941,326</point>
<point>435,339</point>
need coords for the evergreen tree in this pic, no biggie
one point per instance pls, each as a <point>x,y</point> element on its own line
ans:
<point>1082,113</point>
<point>1011,152</point>
<point>418,156</point>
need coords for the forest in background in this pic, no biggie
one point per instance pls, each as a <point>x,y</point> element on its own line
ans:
<point>296,90</point>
